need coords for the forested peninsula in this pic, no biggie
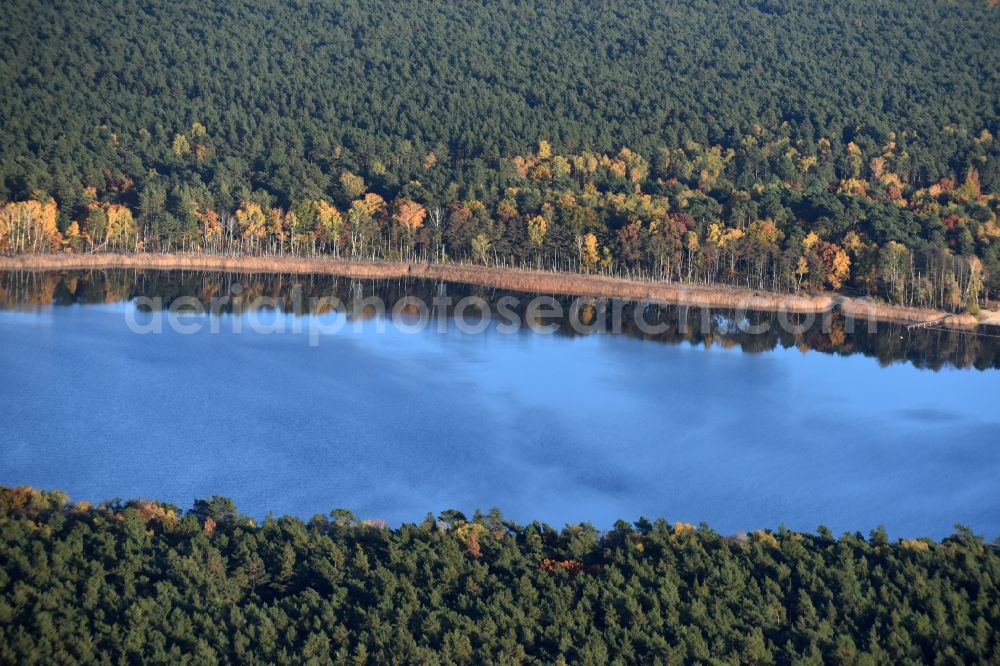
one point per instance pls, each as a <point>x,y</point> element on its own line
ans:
<point>143,581</point>
<point>792,147</point>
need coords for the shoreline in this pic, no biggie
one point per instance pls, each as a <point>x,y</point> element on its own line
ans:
<point>532,281</point>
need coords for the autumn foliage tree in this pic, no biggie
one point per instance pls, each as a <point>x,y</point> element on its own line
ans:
<point>410,216</point>
<point>588,253</point>
<point>121,232</point>
<point>353,185</point>
<point>253,224</point>
<point>836,263</point>
<point>329,225</point>
<point>690,215</point>
<point>29,226</point>
<point>538,226</point>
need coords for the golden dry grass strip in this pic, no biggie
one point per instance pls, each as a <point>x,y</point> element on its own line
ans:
<point>530,281</point>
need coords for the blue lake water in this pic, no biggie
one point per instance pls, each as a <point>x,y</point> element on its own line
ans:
<point>560,429</point>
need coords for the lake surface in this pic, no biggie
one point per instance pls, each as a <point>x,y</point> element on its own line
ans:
<point>699,422</point>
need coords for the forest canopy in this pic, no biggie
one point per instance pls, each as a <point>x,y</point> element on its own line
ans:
<point>143,581</point>
<point>770,144</point>
<point>288,93</point>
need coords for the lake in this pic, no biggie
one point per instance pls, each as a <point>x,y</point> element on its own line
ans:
<point>299,409</point>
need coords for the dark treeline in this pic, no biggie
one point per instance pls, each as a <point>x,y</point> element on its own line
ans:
<point>288,93</point>
<point>142,581</point>
<point>750,331</point>
<point>773,145</point>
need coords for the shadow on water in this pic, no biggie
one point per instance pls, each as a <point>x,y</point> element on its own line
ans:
<point>750,331</point>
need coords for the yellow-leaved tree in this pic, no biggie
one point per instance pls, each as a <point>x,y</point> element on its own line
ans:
<point>253,224</point>
<point>352,185</point>
<point>181,146</point>
<point>73,239</point>
<point>809,241</point>
<point>278,224</point>
<point>836,263</point>
<point>211,230</point>
<point>121,230</point>
<point>975,285</point>
<point>29,226</point>
<point>481,247</point>
<point>801,271</point>
<point>544,150</point>
<point>329,224</point>
<point>840,269</point>
<point>373,203</point>
<point>588,252</point>
<point>537,228</point>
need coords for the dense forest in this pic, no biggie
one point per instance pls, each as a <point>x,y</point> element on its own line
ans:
<point>783,145</point>
<point>143,581</point>
<point>769,144</point>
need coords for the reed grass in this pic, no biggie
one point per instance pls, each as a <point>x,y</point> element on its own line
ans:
<point>531,281</point>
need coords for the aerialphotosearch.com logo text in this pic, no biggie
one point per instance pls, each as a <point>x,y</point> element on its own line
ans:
<point>328,315</point>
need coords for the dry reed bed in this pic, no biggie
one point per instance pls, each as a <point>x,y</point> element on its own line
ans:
<point>509,279</point>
